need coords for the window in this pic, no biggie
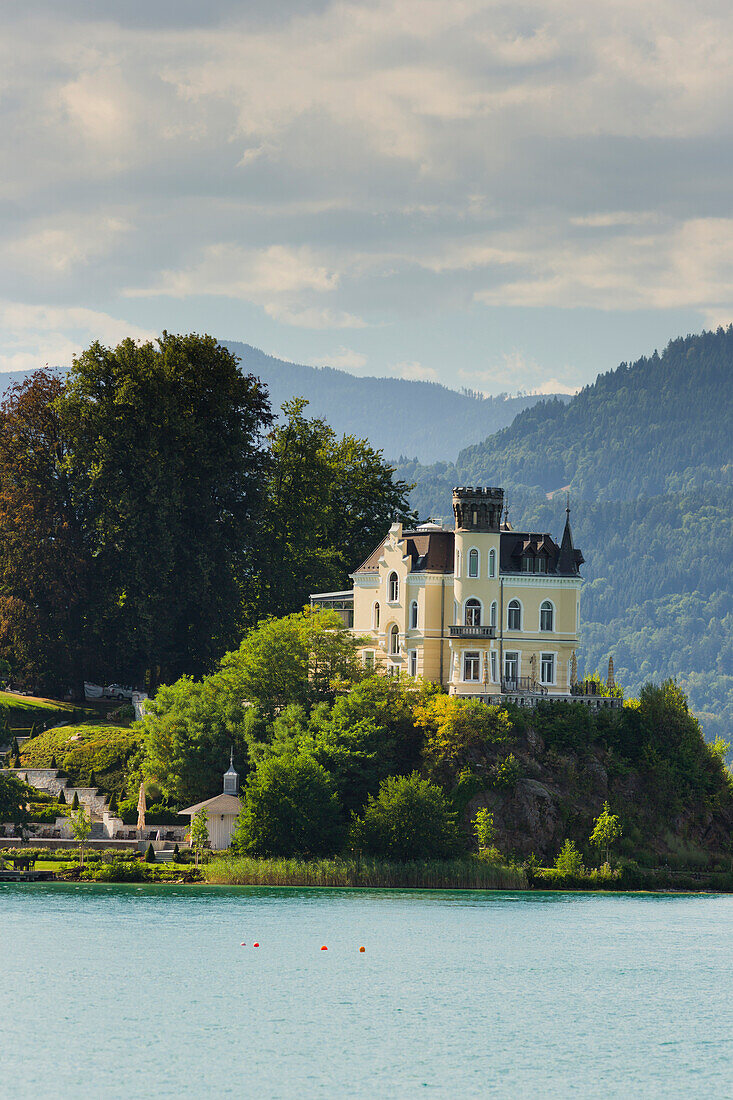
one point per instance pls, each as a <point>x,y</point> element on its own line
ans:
<point>528,564</point>
<point>375,616</point>
<point>492,563</point>
<point>393,586</point>
<point>493,666</point>
<point>471,663</point>
<point>541,565</point>
<point>492,614</point>
<point>394,640</point>
<point>369,660</point>
<point>473,613</point>
<point>473,563</point>
<point>511,668</point>
<point>547,668</point>
<point>514,615</point>
<point>413,662</point>
<point>413,615</point>
<point>547,616</point>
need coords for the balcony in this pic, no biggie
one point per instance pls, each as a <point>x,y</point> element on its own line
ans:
<point>472,631</point>
<point>523,685</point>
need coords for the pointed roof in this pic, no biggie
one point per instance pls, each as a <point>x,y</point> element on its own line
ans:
<point>231,770</point>
<point>570,559</point>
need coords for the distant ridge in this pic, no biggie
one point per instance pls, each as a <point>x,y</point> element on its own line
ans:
<point>421,420</point>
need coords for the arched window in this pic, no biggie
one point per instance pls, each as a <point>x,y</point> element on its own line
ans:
<point>413,615</point>
<point>514,615</point>
<point>473,613</point>
<point>492,614</point>
<point>375,616</point>
<point>394,640</point>
<point>473,563</point>
<point>394,588</point>
<point>547,616</point>
<point>492,563</point>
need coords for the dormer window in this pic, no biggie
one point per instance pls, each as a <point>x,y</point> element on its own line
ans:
<point>393,588</point>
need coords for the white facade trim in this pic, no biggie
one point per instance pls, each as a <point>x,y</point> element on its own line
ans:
<point>539,580</point>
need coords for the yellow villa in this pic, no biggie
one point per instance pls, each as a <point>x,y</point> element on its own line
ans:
<point>482,609</point>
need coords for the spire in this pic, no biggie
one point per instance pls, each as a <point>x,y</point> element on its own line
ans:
<point>570,559</point>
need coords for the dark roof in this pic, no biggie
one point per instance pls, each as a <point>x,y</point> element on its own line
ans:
<point>432,552</point>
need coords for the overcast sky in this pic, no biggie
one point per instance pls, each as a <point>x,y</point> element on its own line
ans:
<point>501,196</point>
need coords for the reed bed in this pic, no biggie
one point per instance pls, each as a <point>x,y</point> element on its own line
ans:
<point>463,874</point>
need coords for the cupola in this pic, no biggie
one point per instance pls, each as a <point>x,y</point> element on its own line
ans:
<point>231,778</point>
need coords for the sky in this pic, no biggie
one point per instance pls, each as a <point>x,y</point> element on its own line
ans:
<point>499,196</point>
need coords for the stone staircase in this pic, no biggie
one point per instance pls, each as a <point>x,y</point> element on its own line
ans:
<point>53,782</point>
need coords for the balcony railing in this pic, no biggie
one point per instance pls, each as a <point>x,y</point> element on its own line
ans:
<point>523,684</point>
<point>473,632</point>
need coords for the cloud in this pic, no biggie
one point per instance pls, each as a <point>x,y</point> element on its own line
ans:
<point>345,164</point>
<point>416,372</point>
<point>37,335</point>
<point>343,359</point>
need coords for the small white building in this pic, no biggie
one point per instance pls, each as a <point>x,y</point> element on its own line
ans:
<point>222,810</point>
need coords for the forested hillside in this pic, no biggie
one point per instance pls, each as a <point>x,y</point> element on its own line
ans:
<point>646,454</point>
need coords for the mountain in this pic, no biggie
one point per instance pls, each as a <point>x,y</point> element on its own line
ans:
<point>645,454</point>
<point>400,417</point>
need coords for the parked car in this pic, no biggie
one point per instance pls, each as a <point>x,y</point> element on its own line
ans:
<point>117,691</point>
<point>93,691</point>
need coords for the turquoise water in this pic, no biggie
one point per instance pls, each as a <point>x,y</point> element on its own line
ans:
<point>128,991</point>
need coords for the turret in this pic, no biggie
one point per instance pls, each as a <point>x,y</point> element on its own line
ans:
<point>478,509</point>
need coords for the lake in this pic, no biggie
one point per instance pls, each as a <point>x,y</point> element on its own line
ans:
<point>135,991</point>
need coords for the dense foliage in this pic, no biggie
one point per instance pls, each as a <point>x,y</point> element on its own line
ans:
<point>147,517</point>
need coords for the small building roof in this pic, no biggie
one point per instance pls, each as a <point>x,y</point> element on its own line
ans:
<point>219,804</point>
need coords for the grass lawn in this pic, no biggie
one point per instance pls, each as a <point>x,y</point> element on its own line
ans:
<point>22,709</point>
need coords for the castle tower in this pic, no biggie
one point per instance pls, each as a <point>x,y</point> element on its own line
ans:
<point>478,514</point>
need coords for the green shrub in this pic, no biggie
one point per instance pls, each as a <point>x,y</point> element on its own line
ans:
<point>507,773</point>
<point>569,861</point>
<point>150,854</point>
<point>290,808</point>
<point>410,818</point>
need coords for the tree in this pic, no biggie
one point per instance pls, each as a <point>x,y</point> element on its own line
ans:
<point>301,658</point>
<point>200,833</point>
<point>166,465</point>
<point>410,818</point>
<point>290,809</point>
<point>45,567</point>
<point>456,730</point>
<point>484,828</point>
<point>75,802</point>
<point>329,501</point>
<point>188,731</point>
<point>14,797</point>
<point>569,861</point>
<point>81,827</point>
<point>606,830</point>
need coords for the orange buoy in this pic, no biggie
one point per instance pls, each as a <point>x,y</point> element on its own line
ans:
<point>362,949</point>
<point>243,945</point>
<point>255,945</point>
<point>324,949</point>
